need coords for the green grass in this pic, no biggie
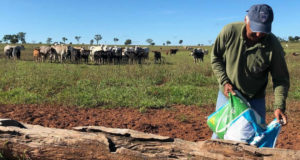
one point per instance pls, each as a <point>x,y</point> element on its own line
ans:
<point>177,81</point>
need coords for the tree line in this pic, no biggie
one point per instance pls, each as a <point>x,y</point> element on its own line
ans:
<point>14,38</point>
<point>21,37</point>
<point>290,39</point>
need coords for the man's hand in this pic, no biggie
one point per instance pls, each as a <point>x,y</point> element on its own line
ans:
<point>228,88</point>
<point>279,115</point>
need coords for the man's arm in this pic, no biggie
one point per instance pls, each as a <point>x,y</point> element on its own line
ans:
<point>218,62</point>
<point>281,81</point>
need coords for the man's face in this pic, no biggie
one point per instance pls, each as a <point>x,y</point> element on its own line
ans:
<point>253,36</point>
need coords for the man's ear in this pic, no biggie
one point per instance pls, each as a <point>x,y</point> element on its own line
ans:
<point>245,19</point>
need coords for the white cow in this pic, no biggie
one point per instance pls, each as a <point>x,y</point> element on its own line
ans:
<point>13,51</point>
<point>94,49</point>
<point>286,45</point>
<point>46,51</point>
<point>61,51</point>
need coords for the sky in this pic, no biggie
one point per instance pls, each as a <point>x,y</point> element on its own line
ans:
<point>193,21</point>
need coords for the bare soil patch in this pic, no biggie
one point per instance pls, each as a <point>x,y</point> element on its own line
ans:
<point>185,122</point>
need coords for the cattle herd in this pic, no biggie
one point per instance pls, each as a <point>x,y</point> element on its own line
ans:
<point>198,54</point>
<point>101,54</point>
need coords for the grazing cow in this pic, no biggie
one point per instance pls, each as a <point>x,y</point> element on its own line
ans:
<point>173,51</point>
<point>205,51</point>
<point>36,54</point>
<point>117,54</point>
<point>286,45</point>
<point>146,52</point>
<point>100,57</point>
<point>189,48</point>
<point>61,51</point>
<point>75,54</point>
<point>167,52</point>
<point>85,55</point>
<point>138,54</point>
<point>197,54</point>
<point>94,49</point>
<point>108,53</point>
<point>295,54</point>
<point>129,54</point>
<point>13,51</point>
<point>46,51</point>
<point>157,56</point>
<point>8,52</point>
<point>17,51</point>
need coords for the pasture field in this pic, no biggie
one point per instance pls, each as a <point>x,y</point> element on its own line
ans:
<point>176,81</point>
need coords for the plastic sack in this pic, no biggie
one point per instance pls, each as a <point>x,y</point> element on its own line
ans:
<point>237,121</point>
<point>268,138</point>
<point>220,120</point>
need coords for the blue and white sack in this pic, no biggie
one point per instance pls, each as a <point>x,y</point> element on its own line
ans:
<point>269,137</point>
<point>250,128</point>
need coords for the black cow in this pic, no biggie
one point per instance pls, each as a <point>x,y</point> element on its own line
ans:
<point>85,55</point>
<point>157,56</point>
<point>198,54</point>
<point>173,51</point>
<point>75,54</point>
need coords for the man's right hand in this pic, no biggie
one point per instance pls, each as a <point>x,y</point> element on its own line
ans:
<point>228,88</point>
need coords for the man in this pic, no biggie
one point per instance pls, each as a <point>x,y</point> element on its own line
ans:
<point>243,55</point>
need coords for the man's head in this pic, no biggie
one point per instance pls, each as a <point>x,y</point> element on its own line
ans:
<point>258,21</point>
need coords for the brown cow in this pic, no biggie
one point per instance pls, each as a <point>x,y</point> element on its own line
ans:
<point>36,54</point>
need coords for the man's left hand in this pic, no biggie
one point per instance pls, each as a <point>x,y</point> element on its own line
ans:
<point>280,115</point>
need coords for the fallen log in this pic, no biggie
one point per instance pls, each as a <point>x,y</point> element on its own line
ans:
<point>97,142</point>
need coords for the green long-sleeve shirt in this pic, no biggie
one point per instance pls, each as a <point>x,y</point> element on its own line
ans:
<point>247,68</point>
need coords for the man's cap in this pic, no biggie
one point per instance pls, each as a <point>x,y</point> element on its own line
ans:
<point>261,18</point>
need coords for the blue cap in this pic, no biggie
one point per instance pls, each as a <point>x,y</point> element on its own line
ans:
<point>261,18</point>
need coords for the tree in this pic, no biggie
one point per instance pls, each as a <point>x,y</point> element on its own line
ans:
<point>64,39</point>
<point>153,44</point>
<point>164,44</point>
<point>180,41</point>
<point>91,42</point>
<point>12,38</point>
<point>281,39</point>
<point>168,42</point>
<point>127,42</point>
<point>77,38</point>
<point>49,40</point>
<point>116,40</point>
<point>149,40</point>
<point>21,37</point>
<point>291,38</point>
<point>7,37</point>
<point>97,37</point>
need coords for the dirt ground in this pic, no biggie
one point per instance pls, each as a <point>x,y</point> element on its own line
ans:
<point>185,122</point>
